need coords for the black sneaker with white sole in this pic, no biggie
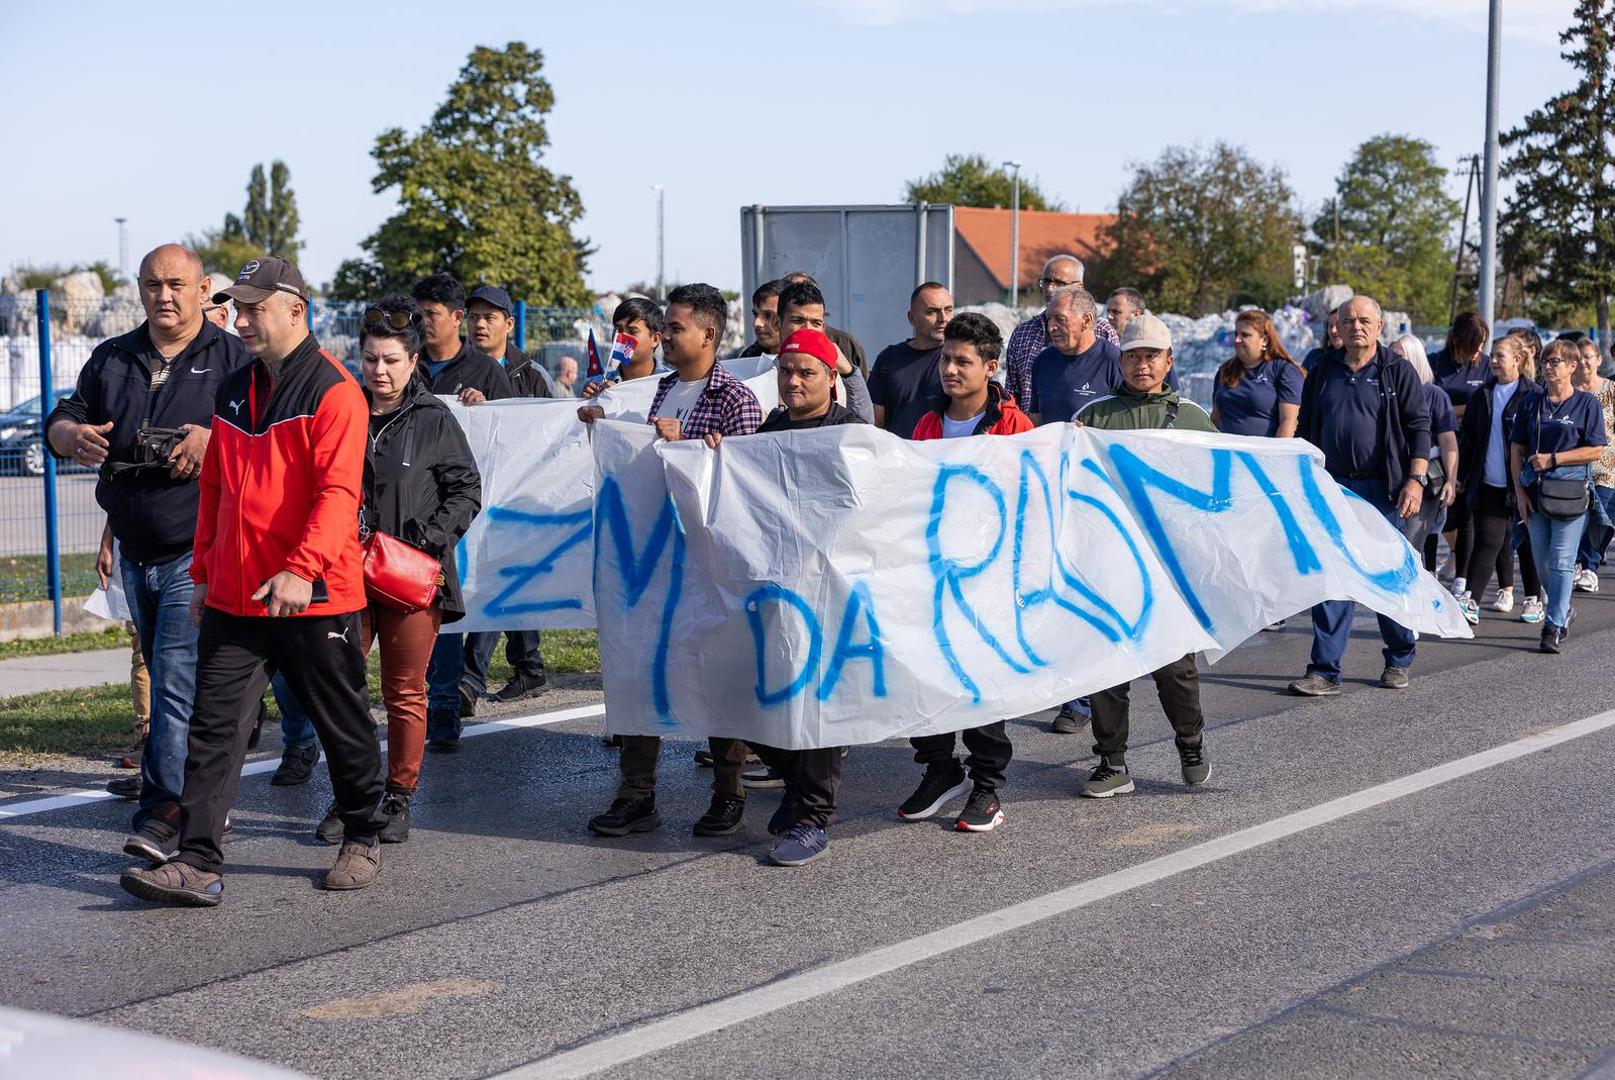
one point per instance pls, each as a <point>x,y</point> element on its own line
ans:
<point>940,786</point>
<point>1196,767</point>
<point>981,813</point>
<point>1108,778</point>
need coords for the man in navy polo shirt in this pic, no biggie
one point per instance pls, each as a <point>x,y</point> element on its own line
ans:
<point>1365,408</point>
<point>1078,366</point>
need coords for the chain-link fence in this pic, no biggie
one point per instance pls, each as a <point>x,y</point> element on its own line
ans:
<point>51,525</point>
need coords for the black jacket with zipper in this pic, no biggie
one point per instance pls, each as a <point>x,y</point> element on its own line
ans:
<point>1475,434</point>
<point>152,515</point>
<point>527,378</point>
<point>421,484</point>
<point>1404,417</point>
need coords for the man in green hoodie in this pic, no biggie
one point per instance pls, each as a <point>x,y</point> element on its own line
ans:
<point>1141,402</point>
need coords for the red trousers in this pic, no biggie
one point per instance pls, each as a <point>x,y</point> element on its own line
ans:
<point>406,647</point>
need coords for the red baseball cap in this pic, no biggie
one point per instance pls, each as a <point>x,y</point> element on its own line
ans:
<point>812,342</point>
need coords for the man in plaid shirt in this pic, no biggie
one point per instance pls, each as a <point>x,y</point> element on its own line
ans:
<point>699,398</point>
<point>1032,336</point>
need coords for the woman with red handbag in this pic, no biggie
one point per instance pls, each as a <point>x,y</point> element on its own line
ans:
<point>421,492</point>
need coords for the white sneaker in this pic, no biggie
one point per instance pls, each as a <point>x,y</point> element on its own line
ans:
<point>1586,580</point>
<point>1471,610</point>
<point>1532,611</point>
<point>1505,600</point>
<point>1459,586</point>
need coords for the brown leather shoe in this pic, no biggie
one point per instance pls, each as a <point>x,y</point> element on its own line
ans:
<point>174,883</point>
<point>356,866</point>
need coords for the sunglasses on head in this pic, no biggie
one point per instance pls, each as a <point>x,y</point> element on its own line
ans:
<point>375,318</point>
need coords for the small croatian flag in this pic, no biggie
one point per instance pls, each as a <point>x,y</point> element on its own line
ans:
<point>622,351</point>
<point>596,372</point>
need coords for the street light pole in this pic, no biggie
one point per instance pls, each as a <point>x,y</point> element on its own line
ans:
<point>661,279</point>
<point>1015,238</point>
<point>1488,191</point>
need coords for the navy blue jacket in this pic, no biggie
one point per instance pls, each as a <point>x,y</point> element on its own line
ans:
<point>1404,417</point>
<point>153,516</point>
<point>1475,434</point>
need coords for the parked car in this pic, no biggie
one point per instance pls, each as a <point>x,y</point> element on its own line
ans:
<point>22,442</point>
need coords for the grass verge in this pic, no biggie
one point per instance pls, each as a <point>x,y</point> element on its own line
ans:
<point>22,577</point>
<point>113,637</point>
<point>99,721</point>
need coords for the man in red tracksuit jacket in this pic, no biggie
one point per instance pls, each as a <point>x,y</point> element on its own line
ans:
<point>279,584</point>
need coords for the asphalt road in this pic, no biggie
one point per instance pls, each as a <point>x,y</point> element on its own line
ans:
<point>1382,884</point>
<point>22,527</point>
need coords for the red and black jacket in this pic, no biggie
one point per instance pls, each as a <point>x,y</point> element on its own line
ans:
<point>281,484</point>
<point>1001,417</point>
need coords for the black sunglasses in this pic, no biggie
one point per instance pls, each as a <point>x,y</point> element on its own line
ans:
<point>375,318</point>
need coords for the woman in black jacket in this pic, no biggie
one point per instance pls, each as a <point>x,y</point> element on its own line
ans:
<point>1485,484</point>
<point>421,486</point>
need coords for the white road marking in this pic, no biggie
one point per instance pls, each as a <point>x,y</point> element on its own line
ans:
<point>253,768</point>
<point>681,1027</point>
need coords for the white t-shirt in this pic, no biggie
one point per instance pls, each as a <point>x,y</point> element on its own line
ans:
<point>1496,472</point>
<point>953,429</point>
<point>681,399</point>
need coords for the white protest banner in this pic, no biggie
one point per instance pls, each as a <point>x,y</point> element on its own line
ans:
<point>840,586</point>
<point>527,560</point>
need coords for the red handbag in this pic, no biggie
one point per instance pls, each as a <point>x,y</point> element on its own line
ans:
<point>399,576</point>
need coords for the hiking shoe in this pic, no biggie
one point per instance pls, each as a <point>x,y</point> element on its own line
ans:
<point>1108,778</point>
<point>330,830</point>
<point>125,787</point>
<point>1394,678</point>
<point>626,816</point>
<point>522,686</point>
<point>981,812</point>
<point>1314,685</point>
<point>395,808</point>
<point>153,841</point>
<point>356,866</point>
<point>1532,611</point>
<point>174,883</point>
<point>1552,639</point>
<point>1192,756</point>
<point>296,765</point>
<point>800,846</point>
<point>1504,600</point>
<point>940,785</point>
<point>1471,610</point>
<point>1586,580</point>
<point>723,817</point>
<point>761,776</point>
<point>1068,721</point>
<point>784,817</point>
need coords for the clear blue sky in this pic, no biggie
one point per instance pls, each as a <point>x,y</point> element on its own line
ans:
<point>122,109</point>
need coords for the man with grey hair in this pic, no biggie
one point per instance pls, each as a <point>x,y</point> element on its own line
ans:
<point>1032,336</point>
<point>1078,366</point>
<point>1365,408</point>
<point>142,414</point>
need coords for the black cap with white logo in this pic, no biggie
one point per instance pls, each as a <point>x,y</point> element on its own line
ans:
<point>262,278</point>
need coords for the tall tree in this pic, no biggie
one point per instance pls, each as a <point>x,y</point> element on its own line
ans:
<point>269,222</point>
<point>474,198</point>
<point>1202,230</point>
<point>1388,231</point>
<point>972,180</point>
<point>1560,221</point>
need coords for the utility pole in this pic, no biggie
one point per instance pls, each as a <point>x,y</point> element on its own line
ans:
<point>123,248</point>
<point>661,279</point>
<point>1473,174</point>
<point>1488,191</point>
<point>1015,238</point>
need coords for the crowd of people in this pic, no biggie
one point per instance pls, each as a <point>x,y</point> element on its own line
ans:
<point>274,518</point>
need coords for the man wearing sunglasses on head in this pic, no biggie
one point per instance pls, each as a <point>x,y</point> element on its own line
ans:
<point>1032,336</point>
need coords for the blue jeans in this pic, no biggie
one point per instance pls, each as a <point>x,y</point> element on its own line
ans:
<point>1590,553</point>
<point>1331,620</point>
<point>296,729</point>
<point>443,673</point>
<point>1553,544</point>
<point>521,650</point>
<point>159,596</point>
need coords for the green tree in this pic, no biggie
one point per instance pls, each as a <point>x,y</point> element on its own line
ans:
<point>267,226</point>
<point>474,199</point>
<point>1388,231</point>
<point>972,180</point>
<point>1202,230</point>
<point>1559,223</point>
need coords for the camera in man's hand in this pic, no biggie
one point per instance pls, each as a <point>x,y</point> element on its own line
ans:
<point>153,449</point>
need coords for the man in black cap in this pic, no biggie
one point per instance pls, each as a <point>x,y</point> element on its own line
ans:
<point>490,320</point>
